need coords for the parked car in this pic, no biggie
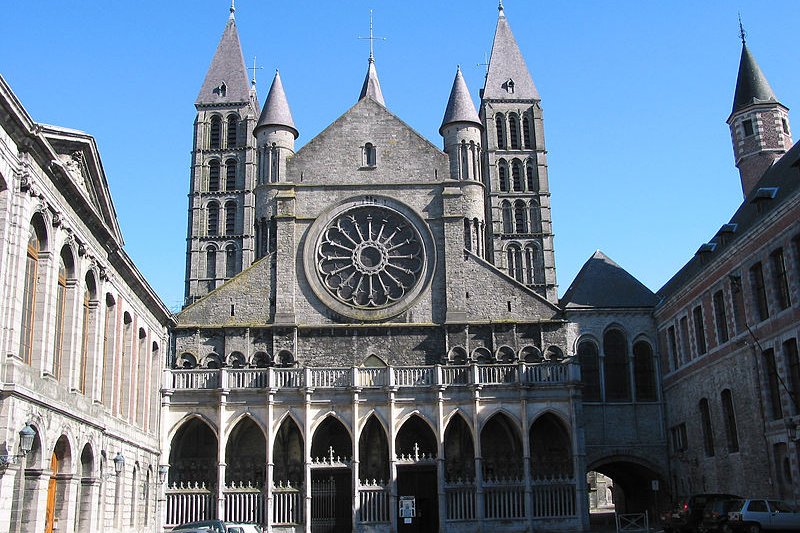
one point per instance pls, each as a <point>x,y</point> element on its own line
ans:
<point>715,516</point>
<point>688,514</point>
<point>753,515</point>
<point>218,526</point>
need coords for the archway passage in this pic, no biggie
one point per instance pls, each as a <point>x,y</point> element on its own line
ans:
<point>287,475</point>
<point>637,487</point>
<point>459,470</point>
<point>373,451</point>
<point>88,483</point>
<point>245,473</point>
<point>417,480</point>
<point>331,478</point>
<point>503,474</point>
<point>191,494</point>
<point>57,487</point>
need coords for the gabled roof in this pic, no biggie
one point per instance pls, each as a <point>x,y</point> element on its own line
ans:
<point>276,110</point>
<point>752,86</point>
<point>460,107</point>
<point>601,283</point>
<point>372,87</point>
<point>779,184</point>
<point>228,69</point>
<point>507,66</point>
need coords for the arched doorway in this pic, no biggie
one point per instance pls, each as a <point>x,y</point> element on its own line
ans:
<point>86,491</point>
<point>245,473</point>
<point>552,470</point>
<point>416,447</point>
<point>459,470</point>
<point>637,486</point>
<point>373,473</point>
<point>58,488</point>
<point>331,479</point>
<point>503,482</point>
<point>192,478</point>
<point>288,472</point>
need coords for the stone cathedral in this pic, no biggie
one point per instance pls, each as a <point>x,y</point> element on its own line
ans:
<point>372,338</point>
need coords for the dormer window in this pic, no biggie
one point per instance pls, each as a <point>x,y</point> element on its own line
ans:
<point>222,90</point>
<point>370,156</point>
<point>747,126</point>
<point>509,86</point>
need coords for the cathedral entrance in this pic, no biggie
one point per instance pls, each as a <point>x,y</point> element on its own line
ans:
<point>331,501</point>
<point>331,478</point>
<point>419,482</point>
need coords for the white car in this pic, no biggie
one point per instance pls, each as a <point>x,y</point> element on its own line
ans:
<point>754,515</point>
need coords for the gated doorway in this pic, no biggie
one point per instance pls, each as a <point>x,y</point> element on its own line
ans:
<point>331,501</point>
<point>421,483</point>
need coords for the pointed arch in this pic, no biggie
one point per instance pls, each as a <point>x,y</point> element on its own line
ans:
<point>589,361</point>
<point>331,433</point>
<point>373,446</point>
<point>616,365</point>
<point>246,453</point>
<point>373,361</point>
<point>416,433</point>
<point>288,452</point>
<point>551,447</point>
<point>501,446</point>
<point>644,371</point>
<point>193,452</point>
<point>459,450</point>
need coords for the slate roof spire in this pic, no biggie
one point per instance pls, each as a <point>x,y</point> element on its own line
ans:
<point>371,87</point>
<point>752,86</point>
<point>602,283</point>
<point>460,107</point>
<point>276,110</point>
<point>226,79</point>
<point>507,77</point>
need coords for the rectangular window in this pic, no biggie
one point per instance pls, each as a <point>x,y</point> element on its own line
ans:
<point>678,438</point>
<point>792,362</point>
<point>686,354</point>
<point>772,381</point>
<point>747,125</point>
<point>699,330</point>
<point>673,347</point>
<point>785,125</point>
<point>779,281</point>
<point>720,317</point>
<point>759,292</point>
<point>708,431</point>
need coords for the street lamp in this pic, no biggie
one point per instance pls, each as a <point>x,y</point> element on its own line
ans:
<point>162,473</point>
<point>119,463</point>
<point>26,437</point>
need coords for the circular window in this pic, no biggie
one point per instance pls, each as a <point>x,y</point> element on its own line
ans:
<point>369,259</point>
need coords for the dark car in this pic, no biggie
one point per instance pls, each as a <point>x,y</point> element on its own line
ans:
<point>218,526</point>
<point>688,514</point>
<point>715,516</point>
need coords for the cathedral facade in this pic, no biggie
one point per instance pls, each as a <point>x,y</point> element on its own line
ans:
<point>372,340</point>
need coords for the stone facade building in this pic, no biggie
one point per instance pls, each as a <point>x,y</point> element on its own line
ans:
<point>728,320</point>
<point>392,355</point>
<point>83,340</point>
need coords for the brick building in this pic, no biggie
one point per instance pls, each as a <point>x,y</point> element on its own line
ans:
<point>83,340</point>
<point>728,320</point>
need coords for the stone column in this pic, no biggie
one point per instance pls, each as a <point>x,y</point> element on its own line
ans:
<point>479,507</point>
<point>440,453</point>
<point>270,440</point>
<point>221,445</point>
<point>392,453</point>
<point>356,454</point>
<point>307,447</point>
<point>526,461</point>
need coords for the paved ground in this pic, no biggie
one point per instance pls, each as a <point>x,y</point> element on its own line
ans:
<point>605,523</point>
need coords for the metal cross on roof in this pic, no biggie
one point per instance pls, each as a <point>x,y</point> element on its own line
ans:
<point>372,39</point>
<point>485,63</point>
<point>742,33</point>
<point>254,68</point>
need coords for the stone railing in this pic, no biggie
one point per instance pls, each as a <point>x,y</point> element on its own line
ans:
<point>545,373</point>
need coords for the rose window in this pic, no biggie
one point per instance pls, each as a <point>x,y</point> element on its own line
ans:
<point>369,257</point>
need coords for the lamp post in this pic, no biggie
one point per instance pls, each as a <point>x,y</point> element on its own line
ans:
<point>26,437</point>
<point>119,463</point>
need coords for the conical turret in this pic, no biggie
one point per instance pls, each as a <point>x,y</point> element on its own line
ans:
<point>276,110</point>
<point>461,129</point>
<point>275,134</point>
<point>226,79</point>
<point>759,123</point>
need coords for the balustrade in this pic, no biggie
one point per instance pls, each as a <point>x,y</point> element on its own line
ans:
<point>373,501</point>
<point>460,500</point>
<point>554,498</point>
<point>287,504</point>
<point>244,503</point>
<point>187,502</point>
<point>545,373</point>
<point>504,499</point>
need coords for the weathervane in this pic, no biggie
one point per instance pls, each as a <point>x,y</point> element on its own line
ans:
<point>372,39</point>
<point>254,68</point>
<point>742,33</point>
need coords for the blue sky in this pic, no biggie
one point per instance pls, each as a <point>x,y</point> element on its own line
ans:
<point>635,97</point>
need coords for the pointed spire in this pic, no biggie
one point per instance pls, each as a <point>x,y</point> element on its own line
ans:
<point>460,107</point>
<point>752,86</point>
<point>507,77</point>
<point>276,110</point>
<point>372,86</point>
<point>226,79</point>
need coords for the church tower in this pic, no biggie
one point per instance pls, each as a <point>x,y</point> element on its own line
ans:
<point>221,240</point>
<point>759,123</point>
<point>518,207</point>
